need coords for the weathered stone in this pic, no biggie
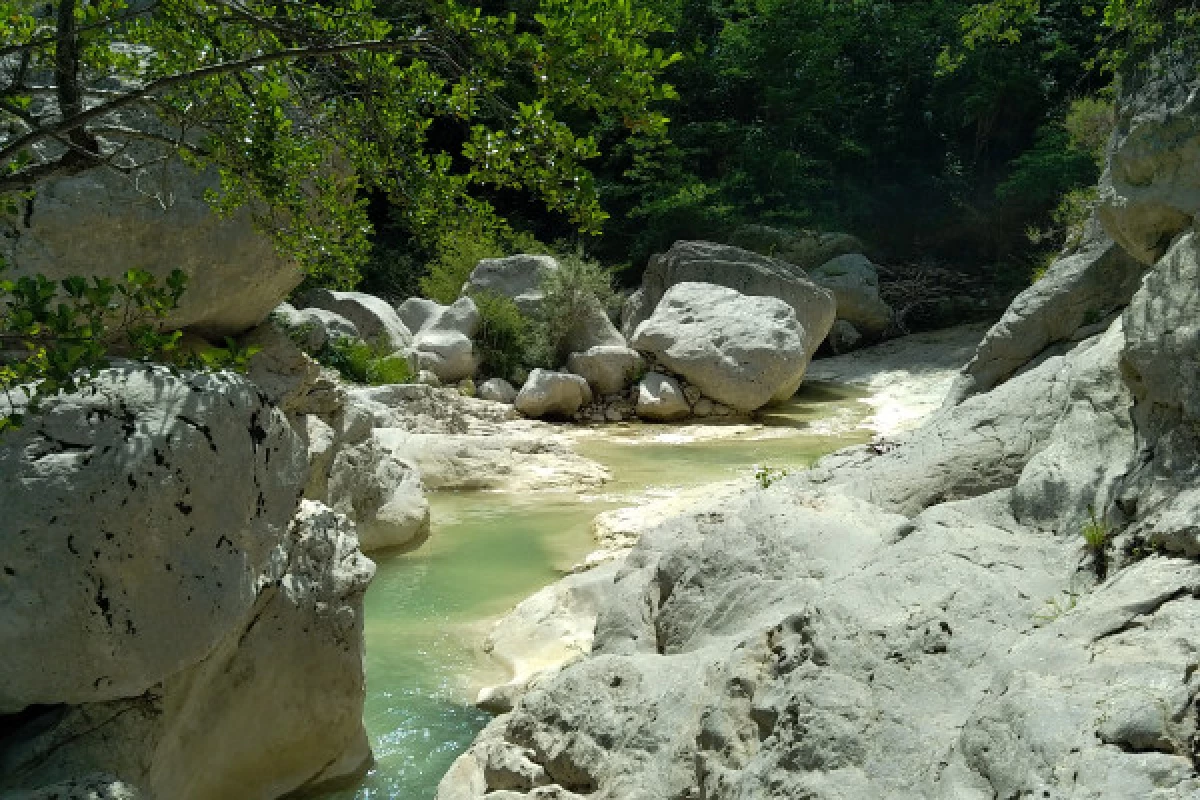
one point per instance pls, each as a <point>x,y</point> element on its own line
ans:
<point>236,276</point>
<point>607,369</point>
<point>127,549</point>
<point>284,372</point>
<point>854,281</point>
<point>497,390</point>
<point>314,328</point>
<point>660,399</point>
<point>1084,287</point>
<point>383,494</point>
<point>740,350</point>
<point>373,318</point>
<point>552,394</point>
<point>274,708</point>
<point>518,278</point>
<point>843,337</point>
<point>593,329</point>
<point>442,336</point>
<point>733,268</point>
<point>1150,190</point>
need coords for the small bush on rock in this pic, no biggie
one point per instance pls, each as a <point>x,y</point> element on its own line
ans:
<point>570,297</point>
<point>1096,534</point>
<point>55,336</point>
<point>460,250</point>
<point>369,363</point>
<point>504,335</point>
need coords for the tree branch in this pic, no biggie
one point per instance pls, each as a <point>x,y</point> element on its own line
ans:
<point>76,121</point>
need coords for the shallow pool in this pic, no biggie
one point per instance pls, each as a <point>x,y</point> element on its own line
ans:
<point>427,612</point>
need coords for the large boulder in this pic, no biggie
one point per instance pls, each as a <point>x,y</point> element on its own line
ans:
<point>274,709</point>
<point>373,318</point>
<point>592,329</point>
<point>442,336</point>
<point>1150,190</point>
<point>854,281</point>
<point>739,350</point>
<point>552,394</point>
<point>518,278</point>
<point>608,369</point>
<point>235,274</point>
<point>282,370</point>
<point>733,268</point>
<point>138,516</point>
<point>1080,289</point>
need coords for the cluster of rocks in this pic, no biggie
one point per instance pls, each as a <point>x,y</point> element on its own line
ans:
<point>922,617</point>
<point>714,330</point>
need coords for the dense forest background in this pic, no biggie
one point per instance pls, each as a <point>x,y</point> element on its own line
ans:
<point>936,136</point>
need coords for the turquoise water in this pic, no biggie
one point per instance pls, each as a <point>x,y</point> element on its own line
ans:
<point>427,612</point>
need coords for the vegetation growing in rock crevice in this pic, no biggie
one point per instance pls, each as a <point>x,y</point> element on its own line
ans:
<point>504,337</point>
<point>572,295</point>
<point>54,337</point>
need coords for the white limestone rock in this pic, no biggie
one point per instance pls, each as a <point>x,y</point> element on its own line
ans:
<point>733,268</point>
<point>373,318</point>
<point>660,399</point>
<point>552,394</point>
<point>128,549</point>
<point>497,390</point>
<point>740,350</point>
<point>608,369</point>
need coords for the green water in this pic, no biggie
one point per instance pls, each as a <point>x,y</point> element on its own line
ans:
<point>427,612</point>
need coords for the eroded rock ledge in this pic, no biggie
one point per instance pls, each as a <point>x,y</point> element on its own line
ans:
<point>921,618</point>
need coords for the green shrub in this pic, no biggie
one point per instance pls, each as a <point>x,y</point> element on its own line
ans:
<point>459,251</point>
<point>766,475</point>
<point>370,363</point>
<point>1096,534</point>
<point>66,330</point>
<point>1089,123</point>
<point>571,294</point>
<point>504,335</point>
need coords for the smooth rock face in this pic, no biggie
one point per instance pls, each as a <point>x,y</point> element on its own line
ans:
<point>274,708</point>
<point>383,494</point>
<point>125,490</point>
<point>919,617</point>
<point>854,281</point>
<point>660,399</point>
<point>497,390</point>
<point>374,319</point>
<point>1150,190</point>
<point>739,350</point>
<point>1082,288</point>
<point>442,336</point>
<point>552,394</point>
<point>517,277</point>
<point>235,275</point>
<point>544,632</point>
<point>608,369</point>
<point>733,268</point>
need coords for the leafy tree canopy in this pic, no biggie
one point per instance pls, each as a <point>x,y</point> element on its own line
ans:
<point>304,106</point>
